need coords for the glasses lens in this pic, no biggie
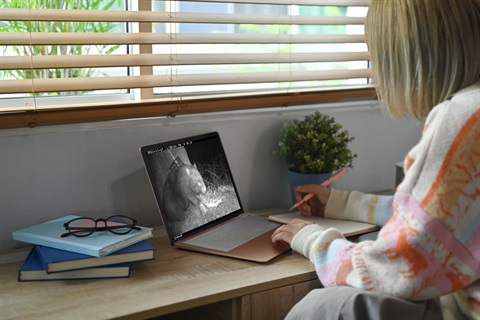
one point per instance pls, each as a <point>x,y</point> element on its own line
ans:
<point>120,224</point>
<point>81,227</point>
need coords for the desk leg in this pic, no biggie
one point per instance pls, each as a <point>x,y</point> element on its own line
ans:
<point>241,308</point>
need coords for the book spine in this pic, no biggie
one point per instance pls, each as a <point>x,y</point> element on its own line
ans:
<point>40,258</point>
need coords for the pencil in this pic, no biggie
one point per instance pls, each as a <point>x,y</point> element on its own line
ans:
<point>309,196</point>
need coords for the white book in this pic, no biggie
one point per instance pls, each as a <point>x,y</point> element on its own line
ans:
<point>347,227</point>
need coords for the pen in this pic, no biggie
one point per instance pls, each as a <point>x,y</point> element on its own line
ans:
<point>309,196</point>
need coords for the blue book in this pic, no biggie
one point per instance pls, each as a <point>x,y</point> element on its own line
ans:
<point>97,244</point>
<point>57,260</point>
<point>32,270</point>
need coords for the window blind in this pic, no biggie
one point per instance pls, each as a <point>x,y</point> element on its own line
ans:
<point>177,57</point>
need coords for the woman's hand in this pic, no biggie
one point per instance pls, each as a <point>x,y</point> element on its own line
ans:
<point>316,205</point>
<point>286,232</point>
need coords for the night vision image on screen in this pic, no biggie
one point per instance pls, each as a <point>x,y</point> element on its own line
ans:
<point>192,182</point>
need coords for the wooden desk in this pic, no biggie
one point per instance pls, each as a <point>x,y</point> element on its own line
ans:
<point>178,284</point>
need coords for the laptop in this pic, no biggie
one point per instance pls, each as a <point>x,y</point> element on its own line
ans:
<point>199,202</point>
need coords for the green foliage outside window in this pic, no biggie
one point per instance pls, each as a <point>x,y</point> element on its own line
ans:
<point>57,26</point>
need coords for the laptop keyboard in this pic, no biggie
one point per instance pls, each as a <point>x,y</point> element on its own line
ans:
<point>233,233</point>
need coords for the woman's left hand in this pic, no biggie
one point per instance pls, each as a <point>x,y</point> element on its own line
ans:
<point>286,232</point>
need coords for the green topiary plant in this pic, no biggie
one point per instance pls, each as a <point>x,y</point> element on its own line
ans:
<point>315,145</point>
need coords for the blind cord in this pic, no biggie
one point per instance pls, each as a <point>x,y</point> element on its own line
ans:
<point>289,97</point>
<point>174,59</point>
<point>32,117</point>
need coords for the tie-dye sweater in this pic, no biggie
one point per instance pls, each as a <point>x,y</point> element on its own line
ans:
<point>429,245</point>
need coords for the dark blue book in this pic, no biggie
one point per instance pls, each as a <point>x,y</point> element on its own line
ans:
<point>57,260</point>
<point>32,270</point>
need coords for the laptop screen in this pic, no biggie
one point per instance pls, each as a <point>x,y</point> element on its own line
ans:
<point>192,183</point>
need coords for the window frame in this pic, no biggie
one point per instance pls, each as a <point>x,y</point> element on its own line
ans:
<point>184,106</point>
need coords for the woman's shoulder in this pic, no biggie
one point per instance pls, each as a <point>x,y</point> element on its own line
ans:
<point>470,93</point>
<point>466,101</point>
<point>468,98</point>
<point>458,110</point>
<point>450,136</point>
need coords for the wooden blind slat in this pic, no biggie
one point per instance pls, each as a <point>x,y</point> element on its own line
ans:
<point>120,82</point>
<point>167,17</point>
<point>126,60</point>
<point>338,3</point>
<point>71,38</point>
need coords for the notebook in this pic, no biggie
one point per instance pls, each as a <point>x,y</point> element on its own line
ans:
<point>199,202</point>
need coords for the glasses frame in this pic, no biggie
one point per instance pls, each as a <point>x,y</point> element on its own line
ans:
<point>86,231</point>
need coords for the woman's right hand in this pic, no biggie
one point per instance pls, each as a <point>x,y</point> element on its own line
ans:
<point>316,205</point>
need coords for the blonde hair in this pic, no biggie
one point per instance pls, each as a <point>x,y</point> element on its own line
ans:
<point>422,51</point>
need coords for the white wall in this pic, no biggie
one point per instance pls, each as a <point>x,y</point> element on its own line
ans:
<point>96,169</point>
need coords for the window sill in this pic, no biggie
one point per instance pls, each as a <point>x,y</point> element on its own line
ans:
<point>55,115</point>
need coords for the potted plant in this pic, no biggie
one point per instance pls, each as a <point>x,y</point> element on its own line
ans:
<point>314,148</point>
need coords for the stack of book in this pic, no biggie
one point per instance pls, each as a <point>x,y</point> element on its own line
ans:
<point>99,255</point>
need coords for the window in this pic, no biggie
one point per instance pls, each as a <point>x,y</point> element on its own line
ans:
<point>99,60</point>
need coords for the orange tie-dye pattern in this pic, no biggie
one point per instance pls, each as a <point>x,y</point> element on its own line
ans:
<point>450,182</point>
<point>407,163</point>
<point>404,250</point>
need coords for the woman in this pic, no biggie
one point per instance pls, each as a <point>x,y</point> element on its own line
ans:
<point>425,263</point>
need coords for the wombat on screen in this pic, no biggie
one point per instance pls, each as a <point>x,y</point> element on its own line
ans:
<point>183,186</point>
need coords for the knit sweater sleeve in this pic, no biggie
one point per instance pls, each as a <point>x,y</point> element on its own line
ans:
<point>429,246</point>
<point>357,206</point>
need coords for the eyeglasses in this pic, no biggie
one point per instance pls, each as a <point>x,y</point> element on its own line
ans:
<point>84,226</point>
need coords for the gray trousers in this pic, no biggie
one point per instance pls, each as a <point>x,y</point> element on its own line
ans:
<point>346,303</point>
